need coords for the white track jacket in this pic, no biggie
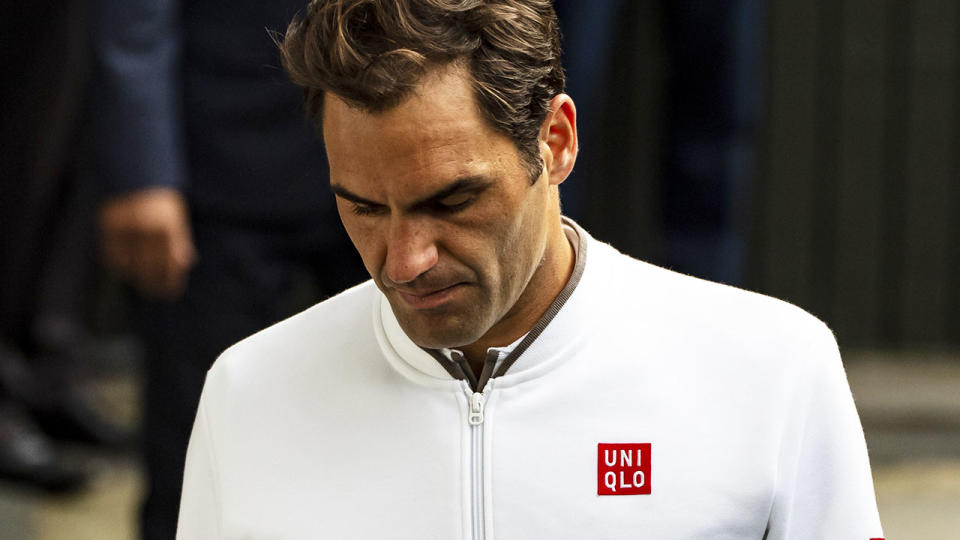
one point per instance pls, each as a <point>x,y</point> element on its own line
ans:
<point>652,405</point>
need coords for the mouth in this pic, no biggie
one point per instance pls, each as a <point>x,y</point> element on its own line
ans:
<point>428,300</point>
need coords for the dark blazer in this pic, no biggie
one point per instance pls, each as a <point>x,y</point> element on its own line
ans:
<point>190,94</point>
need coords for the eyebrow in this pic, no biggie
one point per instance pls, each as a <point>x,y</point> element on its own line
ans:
<point>468,183</point>
<point>345,193</point>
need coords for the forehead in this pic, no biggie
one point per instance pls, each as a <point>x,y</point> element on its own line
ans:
<point>432,137</point>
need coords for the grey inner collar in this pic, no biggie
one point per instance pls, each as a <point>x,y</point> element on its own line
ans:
<point>459,368</point>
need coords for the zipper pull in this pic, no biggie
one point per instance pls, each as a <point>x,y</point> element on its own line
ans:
<point>476,409</point>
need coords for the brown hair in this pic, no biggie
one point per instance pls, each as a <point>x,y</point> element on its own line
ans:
<point>372,54</point>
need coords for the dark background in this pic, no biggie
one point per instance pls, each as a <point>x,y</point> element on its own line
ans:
<point>854,209</point>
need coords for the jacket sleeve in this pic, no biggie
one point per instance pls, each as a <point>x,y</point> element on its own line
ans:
<point>824,486</point>
<point>136,97</point>
<point>200,509</point>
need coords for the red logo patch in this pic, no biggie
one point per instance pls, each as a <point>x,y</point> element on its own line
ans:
<point>623,469</point>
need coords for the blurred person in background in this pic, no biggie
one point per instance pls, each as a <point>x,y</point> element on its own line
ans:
<point>708,125</point>
<point>47,210</point>
<point>711,118</point>
<point>216,205</point>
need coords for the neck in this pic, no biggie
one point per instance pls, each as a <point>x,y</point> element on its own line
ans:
<point>549,279</point>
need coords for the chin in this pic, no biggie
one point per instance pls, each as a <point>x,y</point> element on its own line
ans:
<point>434,334</point>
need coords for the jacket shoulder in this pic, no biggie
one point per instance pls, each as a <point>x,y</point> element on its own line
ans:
<point>342,321</point>
<point>706,310</point>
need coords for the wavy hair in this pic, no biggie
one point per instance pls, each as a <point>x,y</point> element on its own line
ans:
<point>373,53</point>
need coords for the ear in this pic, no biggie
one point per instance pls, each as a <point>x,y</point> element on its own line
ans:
<point>558,138</point>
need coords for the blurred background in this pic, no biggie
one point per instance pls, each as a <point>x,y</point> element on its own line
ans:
<point>162,196</point>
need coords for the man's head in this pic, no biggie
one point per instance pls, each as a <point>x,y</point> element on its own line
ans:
<point>437,188</point>
<point>373,53</point>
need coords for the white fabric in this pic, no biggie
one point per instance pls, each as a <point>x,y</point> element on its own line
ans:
<point>332,424</point>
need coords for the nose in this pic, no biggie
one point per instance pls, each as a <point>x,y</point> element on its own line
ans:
<point>411,251</point>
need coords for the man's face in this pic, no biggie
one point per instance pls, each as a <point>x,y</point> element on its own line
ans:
<point>441,209</point>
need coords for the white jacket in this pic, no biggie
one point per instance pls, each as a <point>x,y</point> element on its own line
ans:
<point>333,424</point>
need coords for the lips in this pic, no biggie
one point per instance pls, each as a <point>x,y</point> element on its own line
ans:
<point>431,299</point>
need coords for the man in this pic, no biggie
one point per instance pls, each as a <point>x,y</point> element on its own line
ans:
<point>503,374</point>
<point>214,206</point>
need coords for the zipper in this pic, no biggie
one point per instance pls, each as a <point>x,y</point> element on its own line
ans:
<point>475,418</point>
<point>475,388</point>
<point>475,421</point>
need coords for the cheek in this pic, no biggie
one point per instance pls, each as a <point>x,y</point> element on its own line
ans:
<point>529,237</point>
<point>513,247</point>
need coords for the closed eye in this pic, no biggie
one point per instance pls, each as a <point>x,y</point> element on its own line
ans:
<point>451,199</point>
<point>361,209</point>
<point>456,202</point>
